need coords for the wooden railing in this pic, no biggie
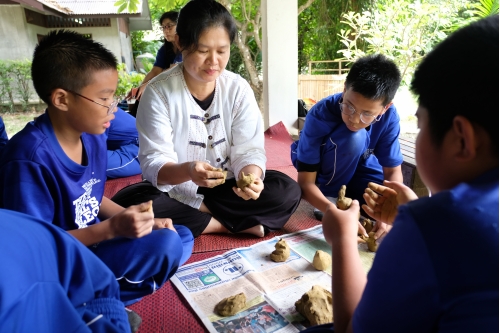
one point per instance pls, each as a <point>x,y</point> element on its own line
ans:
<point>340,67</point>
<point>411,178</point>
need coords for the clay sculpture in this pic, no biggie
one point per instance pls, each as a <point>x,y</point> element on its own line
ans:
<point>282,251</point>
<point>322,260</point>
<point>231,305</point>
<point>224,172</point>
<point>316,306</point>
<point>371,242</point>
<point>368,225</point>
<point>149,208</point>
<point>245,181</point>
<point>343,202</point>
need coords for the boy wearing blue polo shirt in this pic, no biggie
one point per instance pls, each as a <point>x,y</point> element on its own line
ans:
<point>437,270</point>
<point>351,138</point>
<point>50,282</point>
<point>3,135</point>
<point>55,168</point>
<point>123,146</point>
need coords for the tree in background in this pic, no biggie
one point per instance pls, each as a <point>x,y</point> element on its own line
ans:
<point>319,25</point>
<point>246,54</point>
<point>406,30</point>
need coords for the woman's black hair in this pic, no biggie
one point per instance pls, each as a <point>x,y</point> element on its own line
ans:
<point>197,16</point>
<point>172,16</point>
<point>170,50</point>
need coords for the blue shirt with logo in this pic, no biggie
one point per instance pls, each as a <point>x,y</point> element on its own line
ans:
<point>39,179</point>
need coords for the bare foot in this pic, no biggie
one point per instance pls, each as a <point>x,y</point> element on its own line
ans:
<point>257,230</point>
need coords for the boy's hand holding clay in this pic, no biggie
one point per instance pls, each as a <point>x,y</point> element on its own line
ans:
<point>133,222</point>
<point>382,201</point>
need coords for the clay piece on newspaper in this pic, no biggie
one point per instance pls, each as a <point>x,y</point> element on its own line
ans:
<point>245,181</point>
<point>224,172</point>
<point>343,202</point>
<point>322,260</point>
<point>231,305</point>
<point>282,251</point>
<point>371,242</point>
<point>316,306</point>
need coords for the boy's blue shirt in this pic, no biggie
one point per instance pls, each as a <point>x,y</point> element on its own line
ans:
<point>328,147</point>
<point>39,179</point>
<point>437,270</point>
<point>3,135</point>
<point>122,131</point>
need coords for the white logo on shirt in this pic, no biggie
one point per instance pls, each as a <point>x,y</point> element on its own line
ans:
<point>86,207</point>
<point>367,153</point>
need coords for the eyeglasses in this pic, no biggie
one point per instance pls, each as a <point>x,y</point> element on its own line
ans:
<point>167,26</point>
<point>111,108</point>
<point>365,117</point>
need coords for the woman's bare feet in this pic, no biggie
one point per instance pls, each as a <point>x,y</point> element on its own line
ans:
<point>257,230</point>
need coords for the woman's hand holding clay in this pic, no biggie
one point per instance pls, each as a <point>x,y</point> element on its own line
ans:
<point>205,175</point>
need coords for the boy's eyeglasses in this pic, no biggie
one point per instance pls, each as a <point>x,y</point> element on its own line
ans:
<point>167,26</point>
<point>365,117</point>
<point>111,108</point>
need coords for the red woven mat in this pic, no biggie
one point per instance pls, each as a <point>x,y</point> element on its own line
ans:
<point>114,185</point>
<point>167,311</point>
<point>303,218</point>
<point>277,144</point>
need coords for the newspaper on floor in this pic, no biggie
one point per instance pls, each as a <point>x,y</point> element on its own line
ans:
<point>271,288</point>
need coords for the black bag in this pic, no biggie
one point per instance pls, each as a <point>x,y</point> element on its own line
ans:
<point>302,108</point>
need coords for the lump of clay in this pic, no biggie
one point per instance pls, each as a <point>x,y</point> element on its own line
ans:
<point>224,172</point>
<point>343,202</point>
<point>231,305</point>
<point>368,225</point>
<point>244,181</point>
<point>322,260</point>
<point>371,242</point>
<point>316,306</point>
<point>282,251</point>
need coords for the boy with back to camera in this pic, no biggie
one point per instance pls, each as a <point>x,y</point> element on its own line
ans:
<point>437,270</point>
<point>55,168</point>
<point>351,138</point>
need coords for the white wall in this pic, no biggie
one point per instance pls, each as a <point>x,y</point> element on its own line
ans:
<point>14,39</point>
<point>280,62</point>
<point>18,38</point>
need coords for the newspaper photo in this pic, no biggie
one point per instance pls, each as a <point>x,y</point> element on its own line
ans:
<point>271,288</point>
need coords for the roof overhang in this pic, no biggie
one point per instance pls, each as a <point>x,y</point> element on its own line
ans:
<point>137,21</point>
<point>142,22</point>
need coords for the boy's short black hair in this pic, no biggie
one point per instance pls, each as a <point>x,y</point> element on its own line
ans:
<point>460,77</point>
<point>197,16</point>
<point>67,60</point>
<point>375,77</point>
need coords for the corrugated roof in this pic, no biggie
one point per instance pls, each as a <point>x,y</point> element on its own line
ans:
<point>86,7</point>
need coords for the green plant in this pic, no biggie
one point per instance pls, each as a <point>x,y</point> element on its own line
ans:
<point>127,81</point>
<point>15,84</point>
<point>21,70</point>
<point>147,64</point>
<point>6,95</point>
<point>402,30</point>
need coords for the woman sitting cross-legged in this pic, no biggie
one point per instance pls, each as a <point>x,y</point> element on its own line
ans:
<point>197,120</point>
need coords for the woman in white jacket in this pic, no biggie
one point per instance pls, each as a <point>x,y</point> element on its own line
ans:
<point>196,118</point>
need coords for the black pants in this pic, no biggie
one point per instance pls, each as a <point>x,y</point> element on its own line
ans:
<point>277,202</point>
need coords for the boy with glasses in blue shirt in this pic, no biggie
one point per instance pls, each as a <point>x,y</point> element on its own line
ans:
<point>55,168</point>
<point>351,138</point>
